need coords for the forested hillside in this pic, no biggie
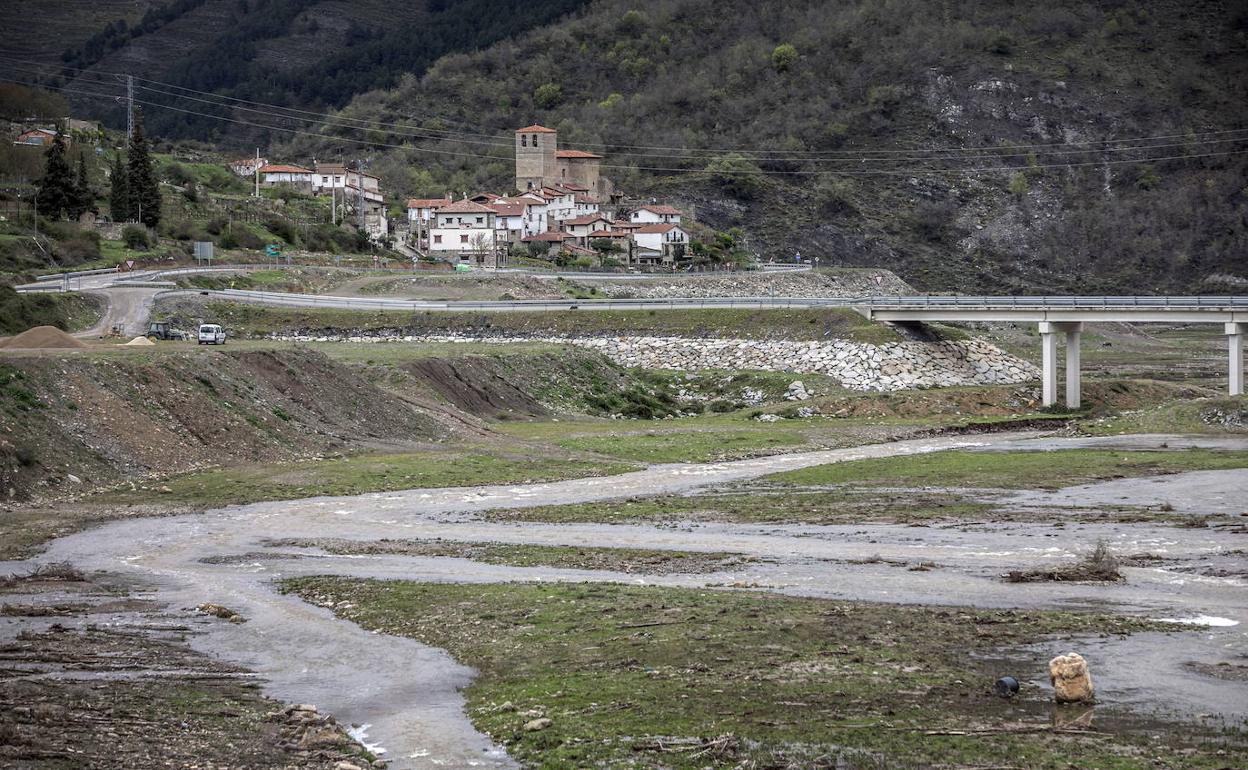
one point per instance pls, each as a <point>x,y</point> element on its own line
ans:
<point>309,54</point>
<point>873,123</point>
<point>966,144</point>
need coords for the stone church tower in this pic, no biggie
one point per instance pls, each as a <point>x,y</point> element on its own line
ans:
<point>535,157</point>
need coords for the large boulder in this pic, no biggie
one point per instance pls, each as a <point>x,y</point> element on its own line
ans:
<point>1071,681</point>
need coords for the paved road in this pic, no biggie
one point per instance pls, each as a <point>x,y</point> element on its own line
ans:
<point>409,693</point>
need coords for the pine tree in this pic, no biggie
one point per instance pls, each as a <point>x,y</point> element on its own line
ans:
<point>144,188</point>
<point>55,194</point>
<point>84,195</point>
<point>119,190</point>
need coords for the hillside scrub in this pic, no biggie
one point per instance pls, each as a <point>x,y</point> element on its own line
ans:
<point>769,87</point>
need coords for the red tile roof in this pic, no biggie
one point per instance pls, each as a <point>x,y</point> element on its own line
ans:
<point>626,225</point>
<point>668,210</point>
<point>427,203</point>
<point>545,237</point>
<point>331,168</point>
<point>536,129</point>
<point>658,228</point>
<point>609,234</point>
<point>586,219</point>
<point>576,154</point>
<point>508,209</point>
<point>465,207</point>
<point>280,169</point>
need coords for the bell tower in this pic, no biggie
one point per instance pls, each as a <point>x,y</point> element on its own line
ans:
<point>535,157</point>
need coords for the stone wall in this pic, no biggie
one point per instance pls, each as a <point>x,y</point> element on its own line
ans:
<point>859,366</point>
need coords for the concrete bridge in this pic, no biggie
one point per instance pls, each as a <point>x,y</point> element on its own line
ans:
<point>1065,316</point>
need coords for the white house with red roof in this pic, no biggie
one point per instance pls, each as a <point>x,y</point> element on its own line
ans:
<point>660,242</point>
<point>656,215</point>
<point>279,173</point>
<point>580,227</point>
<point>465,231</point>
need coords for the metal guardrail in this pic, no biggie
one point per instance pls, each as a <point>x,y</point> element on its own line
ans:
<point>75,274</point>
<point>1056,302</point>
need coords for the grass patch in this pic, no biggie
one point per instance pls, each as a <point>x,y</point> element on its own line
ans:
<point>693,446</point>
<point>1012,470</point>
<point>1201,416</point>
<point>831,323</point>
<point>649,677</point>
<point>760,506</point>
<point>359,474</point>
<point>630,560</point>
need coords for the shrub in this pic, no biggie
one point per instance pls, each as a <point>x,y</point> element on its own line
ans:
<point>783,57</point>
<point>135,237</point>
<point>548,95</point>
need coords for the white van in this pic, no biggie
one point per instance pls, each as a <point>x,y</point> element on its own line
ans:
<point>211,334</point>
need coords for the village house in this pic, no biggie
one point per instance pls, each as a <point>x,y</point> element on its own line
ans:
<point>660,243</point>
<point>545,245</point>
<point>619,244</point>
<point>247,166</point>
<point>38,137</point>
<point>508,221</point>
<point>465,231</point>
<point>580,227</point>
<point>656,215</point>
<point>280,174</point>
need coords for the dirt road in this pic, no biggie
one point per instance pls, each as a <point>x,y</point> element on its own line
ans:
<point>408,695</point>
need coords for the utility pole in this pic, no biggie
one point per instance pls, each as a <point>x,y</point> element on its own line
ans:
<point>129,106</point>
<point>257,172</point>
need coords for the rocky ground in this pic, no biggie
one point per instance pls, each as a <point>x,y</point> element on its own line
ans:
<point>857,366</point>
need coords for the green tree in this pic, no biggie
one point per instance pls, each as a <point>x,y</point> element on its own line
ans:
<point>119,190</point>
<point>144,187</point>
<point>55,194</point>
<point>548,95</point>
<point>84,194</point>
<point>783,57</point>
<point>737,175</point>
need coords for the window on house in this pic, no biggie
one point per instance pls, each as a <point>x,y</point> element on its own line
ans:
<point>480,220</point>
<point>524,141</point>
<point>324,180</point>
<point>535,140</point>
<point>437,239</point>
<point>463,239</point>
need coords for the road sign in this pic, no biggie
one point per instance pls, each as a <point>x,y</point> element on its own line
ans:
<point>273,250</point>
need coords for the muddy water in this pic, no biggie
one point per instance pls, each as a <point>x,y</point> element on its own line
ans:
<point>408,694</point>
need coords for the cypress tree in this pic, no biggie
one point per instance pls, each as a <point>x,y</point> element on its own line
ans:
<point>84,196</point>
<point>144,188</point>
<point>55,193</point>
<point>119,190</point>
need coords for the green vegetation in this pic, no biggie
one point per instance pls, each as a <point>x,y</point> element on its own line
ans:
<point>358,474</point>
<point>685,678</point>
<point>838,323</point>
<point>1205,415</point>
<point>640,560</point>
<point>1012,470</point>
<point>690,445</point>
<point>70,312</point>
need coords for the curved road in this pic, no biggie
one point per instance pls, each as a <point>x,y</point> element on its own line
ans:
<point>408,693</point>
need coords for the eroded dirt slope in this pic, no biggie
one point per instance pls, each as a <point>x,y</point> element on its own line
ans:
<point>103,419</point>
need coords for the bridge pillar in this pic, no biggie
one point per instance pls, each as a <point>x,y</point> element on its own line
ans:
<point>1235,346</point>
<point>1048,344</point>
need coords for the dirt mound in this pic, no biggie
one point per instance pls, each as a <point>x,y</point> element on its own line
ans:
<point>139,342</point>
<point>42,338</point>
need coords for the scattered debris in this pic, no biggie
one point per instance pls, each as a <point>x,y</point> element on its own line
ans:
<point>225,613</point>
<point>1006,687</point>
<point>1100,565</point>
